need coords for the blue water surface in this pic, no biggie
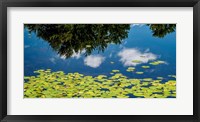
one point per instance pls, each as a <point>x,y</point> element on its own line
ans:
<point>140,44</point>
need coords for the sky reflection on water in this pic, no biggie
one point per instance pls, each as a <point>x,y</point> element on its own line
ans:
<point>140,45</point>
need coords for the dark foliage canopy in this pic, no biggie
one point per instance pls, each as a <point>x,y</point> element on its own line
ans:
<point>68,39</point>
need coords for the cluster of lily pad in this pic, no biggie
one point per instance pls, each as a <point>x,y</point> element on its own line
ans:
<point>157,62</point>
<point>130,69</point>
<point>48,84</point>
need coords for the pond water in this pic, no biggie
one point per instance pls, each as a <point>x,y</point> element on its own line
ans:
<point>139,45</point>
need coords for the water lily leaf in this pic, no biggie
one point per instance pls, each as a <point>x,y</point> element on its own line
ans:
<point>171,82</point>
<point>139,73</point>
<point>157,62</point>
<point>145,84</point>
<point>173,76</point>
<point>75,85</point>
<point>115,70</point>
<point>145,67</point>
<point>138,94</point>
<point>160,78</point>
<point>130,69</point>
<point>147,79</point>
<point>26,77</point>
<point>136,61</point>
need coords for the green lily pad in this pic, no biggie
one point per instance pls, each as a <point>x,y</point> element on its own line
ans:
<point>173,76</point>
<point>160,78</point>
<point>139,73</point>
<point>75,85</point>
<point>115,70</point>
<point>137,61</point>
<point>147,79</point>
<point>145,67</point>
<point>130,69</point>
<point>157,62</point>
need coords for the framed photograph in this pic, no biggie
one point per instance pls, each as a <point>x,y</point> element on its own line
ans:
<point>87,60</point>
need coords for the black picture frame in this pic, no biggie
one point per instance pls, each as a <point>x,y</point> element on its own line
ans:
<point>4,4</point>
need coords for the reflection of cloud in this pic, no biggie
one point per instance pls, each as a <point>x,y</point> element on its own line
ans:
<point>125,42</point>
<point>140,25</point>
<point>74,55</point>
<point>26,46</point>
<point>77,55</point>
<point>94,61</point>
<point>152,70</point>
<point>62,57</point>
<point>53,60</point>
<point>147,50</point>
<point>121,46</point>
<point>131,54</point>
<point>110,56</point>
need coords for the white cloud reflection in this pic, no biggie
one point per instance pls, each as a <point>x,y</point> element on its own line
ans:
<point>110,56</point>
<point>53,60</point>
<point>140,25</point>
<point>74,55</point>
<point>94,61</point>
<point>128,55</point>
